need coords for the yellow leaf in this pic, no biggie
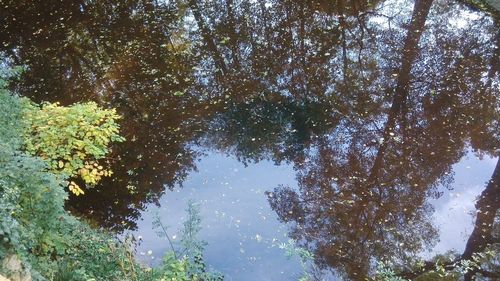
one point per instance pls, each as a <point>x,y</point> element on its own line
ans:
<point>61,164</point>
<point>75,189</point>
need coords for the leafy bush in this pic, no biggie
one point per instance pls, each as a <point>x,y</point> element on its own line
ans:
<point>71,139</point>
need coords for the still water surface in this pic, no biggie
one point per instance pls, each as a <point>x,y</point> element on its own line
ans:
<point>245,244</point>
<point>363,130</point>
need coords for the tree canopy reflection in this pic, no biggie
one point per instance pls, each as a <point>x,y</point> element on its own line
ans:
<point>372,102</point>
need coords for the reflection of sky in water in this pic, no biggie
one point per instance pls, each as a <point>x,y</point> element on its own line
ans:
<point>243,232</point>
<point>240,227</point>
<point>453,211</point>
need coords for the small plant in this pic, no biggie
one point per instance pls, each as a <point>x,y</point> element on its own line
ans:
<point>190,249</point>
<point>306,258</point>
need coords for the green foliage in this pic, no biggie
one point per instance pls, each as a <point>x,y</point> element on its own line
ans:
<point>447,267</point>
<point>446,271</point>
<point>35,198</point>
<point>71,139</point>
<point>10,113</point>
<point>384,272</point>
<point>173,269</point>
<point>31,199</point>
<point>191,249</point>
<point>90,254</point>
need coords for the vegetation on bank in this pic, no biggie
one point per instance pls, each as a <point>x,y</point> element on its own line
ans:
<point>41,149</point>
<point>72,139</point>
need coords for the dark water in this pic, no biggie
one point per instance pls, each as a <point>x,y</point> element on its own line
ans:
<point>354,127</point>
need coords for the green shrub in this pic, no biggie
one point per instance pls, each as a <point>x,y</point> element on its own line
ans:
<point>31,199</point>
<point>71,138</point>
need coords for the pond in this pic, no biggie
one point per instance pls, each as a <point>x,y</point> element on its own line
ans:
<point>364,131</point>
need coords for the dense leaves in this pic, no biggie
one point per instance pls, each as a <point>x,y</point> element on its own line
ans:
<point>71,139</point>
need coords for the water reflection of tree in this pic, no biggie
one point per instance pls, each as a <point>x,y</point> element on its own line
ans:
<point>355,203</point>
<point>125,54</point>
<point>69,46</point>
<point>371,122</point>
<point>285,77</point>
<point>370,85</point>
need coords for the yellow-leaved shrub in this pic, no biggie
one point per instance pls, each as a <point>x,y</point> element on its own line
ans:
<point>72,139</point>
